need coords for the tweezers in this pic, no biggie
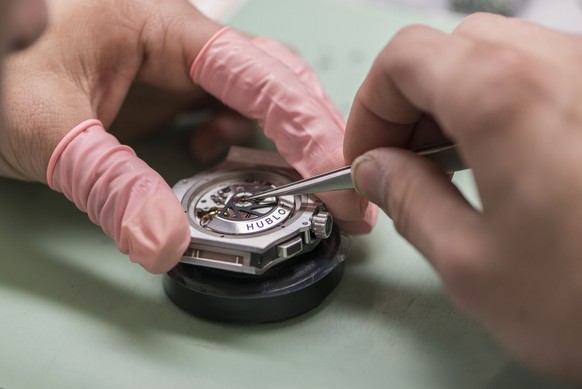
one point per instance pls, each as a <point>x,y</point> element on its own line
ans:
<point>444,155</point>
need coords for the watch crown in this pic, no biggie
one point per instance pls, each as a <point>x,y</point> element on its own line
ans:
<point>322,224</point>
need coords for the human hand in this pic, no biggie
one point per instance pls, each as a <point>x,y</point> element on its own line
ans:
<point>82,68</point>
<point>509,93</point>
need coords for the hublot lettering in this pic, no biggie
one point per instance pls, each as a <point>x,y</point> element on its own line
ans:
<point>265,222</point>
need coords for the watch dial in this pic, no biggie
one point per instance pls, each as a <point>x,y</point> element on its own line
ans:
<point>222,208</point>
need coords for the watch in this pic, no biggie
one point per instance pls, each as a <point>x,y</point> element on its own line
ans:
<point>253,261</point>
<point>233,234</point>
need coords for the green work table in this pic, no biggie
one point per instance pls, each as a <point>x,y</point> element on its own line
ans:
<point>75,313</point>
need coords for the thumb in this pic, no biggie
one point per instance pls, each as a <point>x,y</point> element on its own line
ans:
<point>427,209</point>
<point>122,194</point>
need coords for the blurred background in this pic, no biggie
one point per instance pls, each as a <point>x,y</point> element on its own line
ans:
<point>565,15</point>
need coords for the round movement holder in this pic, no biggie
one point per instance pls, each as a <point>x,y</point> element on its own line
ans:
<point>287,290</point>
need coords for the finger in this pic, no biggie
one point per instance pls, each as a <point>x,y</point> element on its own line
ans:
<point>401,86</point>
<point>380,110</point>
<point>303,72</point>
<point>261,87</point>
<point>123,195</point>
<point>425,207</point>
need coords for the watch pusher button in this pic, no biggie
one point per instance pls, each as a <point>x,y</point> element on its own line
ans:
<point>322,224</point>
<point>290,248</point>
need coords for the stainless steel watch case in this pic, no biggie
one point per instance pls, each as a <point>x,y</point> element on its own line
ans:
<point>230,234</point>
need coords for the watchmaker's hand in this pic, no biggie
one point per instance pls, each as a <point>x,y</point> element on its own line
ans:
<point>509,93</point>
<point>81,69</point>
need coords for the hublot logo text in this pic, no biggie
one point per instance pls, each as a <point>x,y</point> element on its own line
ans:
<point>274,218</point>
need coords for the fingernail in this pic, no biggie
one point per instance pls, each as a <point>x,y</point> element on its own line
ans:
<point>368,178</point>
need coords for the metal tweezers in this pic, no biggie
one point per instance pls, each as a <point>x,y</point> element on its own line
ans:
<point>444,155</point>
